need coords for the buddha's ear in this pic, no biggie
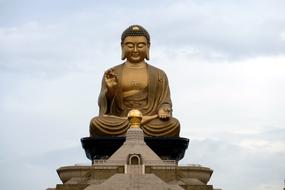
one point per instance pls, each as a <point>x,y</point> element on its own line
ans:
<point>123,56</point>
<point>147,53</point>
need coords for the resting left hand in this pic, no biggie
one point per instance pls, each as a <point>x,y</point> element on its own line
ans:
<point>164,113</point>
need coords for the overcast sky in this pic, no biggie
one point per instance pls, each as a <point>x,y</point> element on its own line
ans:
<point>225,62</point>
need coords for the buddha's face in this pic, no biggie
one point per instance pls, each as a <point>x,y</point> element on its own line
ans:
<point>135,48</point>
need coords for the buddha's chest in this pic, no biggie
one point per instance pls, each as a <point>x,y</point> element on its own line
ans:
<point>134,79</point>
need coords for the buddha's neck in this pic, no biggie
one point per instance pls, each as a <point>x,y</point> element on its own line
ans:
<point>136,65</point>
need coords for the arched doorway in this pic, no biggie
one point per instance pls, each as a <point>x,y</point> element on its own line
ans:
<point>134,164</point>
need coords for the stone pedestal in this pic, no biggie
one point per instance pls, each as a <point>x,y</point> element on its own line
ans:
<point>171,148</point>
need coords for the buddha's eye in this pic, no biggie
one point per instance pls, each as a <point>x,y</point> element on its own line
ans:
<point>130,45</point>
<point>141,45</point>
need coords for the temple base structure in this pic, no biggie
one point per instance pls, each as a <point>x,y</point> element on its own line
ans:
<point>137,164</point>
<point>192,177</point>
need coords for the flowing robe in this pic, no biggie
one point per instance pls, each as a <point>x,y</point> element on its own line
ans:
<point>113,112</point>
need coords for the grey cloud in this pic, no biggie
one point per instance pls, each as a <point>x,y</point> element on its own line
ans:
<point>37,49</point>
<point>78,34</point>
<point>230,28</point>
<point>39,172</point>
<point>250,170</point>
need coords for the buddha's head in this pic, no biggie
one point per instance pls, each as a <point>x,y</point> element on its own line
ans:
<point>135,43</point>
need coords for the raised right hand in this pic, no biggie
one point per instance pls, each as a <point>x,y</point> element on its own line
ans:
<point>111,79</point>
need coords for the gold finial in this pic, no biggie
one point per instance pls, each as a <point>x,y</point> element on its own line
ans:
<point>135,117</point>
<point>135,28</point>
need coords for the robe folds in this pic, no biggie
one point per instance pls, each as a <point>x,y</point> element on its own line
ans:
<point>112,119</point>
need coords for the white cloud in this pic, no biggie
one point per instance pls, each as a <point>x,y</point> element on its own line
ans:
<point>269,186</point>
<point>282,35</point>
<point>258,144</point>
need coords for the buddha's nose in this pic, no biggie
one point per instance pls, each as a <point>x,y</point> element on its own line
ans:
<point>135,49</point>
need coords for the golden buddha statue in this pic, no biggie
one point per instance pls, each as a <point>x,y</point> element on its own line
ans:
<point>135,84</point>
